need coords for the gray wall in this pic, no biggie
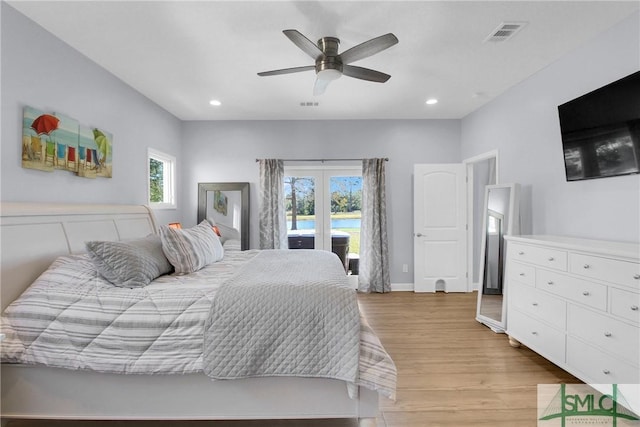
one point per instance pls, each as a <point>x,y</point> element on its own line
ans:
<point>523,125</point>
<point>225,151</point>
<point>41,71</point>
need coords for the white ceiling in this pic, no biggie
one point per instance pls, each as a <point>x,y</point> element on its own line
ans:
<point>181,54</point>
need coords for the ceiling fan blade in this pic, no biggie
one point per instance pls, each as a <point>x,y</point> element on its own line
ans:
<point>287,71</point>
<point>368,48</point>
<point>320,86</point>
<point>365,74</point>
<point>304,43</point>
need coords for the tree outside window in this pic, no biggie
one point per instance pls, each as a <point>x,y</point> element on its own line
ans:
<point>161,168</point>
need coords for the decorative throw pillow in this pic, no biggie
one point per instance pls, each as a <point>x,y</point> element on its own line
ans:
<point>132,263</point>
<point>190,249</point>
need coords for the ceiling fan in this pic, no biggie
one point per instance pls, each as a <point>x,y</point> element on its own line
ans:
<point>330,64</point>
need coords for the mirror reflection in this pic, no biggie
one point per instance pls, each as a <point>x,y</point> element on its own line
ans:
<point>500,218</point>
<point>226,205</point>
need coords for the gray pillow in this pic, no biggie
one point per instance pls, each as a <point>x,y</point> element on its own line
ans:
<point>132,263</point>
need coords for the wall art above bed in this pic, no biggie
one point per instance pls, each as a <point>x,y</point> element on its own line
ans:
<point>55,141</point>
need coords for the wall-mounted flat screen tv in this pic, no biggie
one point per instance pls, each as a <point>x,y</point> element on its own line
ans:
<point>601,131</point>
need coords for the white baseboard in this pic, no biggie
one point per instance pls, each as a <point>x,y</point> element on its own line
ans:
<point>402,287</point>
<point>395,287</point>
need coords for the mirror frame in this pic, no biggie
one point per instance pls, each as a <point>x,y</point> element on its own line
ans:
<point>513,228</point>
<point>243,187</point>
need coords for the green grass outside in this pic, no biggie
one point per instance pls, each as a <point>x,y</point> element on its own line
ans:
<point>354,240</point>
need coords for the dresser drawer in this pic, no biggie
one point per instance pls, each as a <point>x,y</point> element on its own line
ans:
<point>575,289</point>
<point>610,270</point>
<point>605,332</point>
<point>522,273</point>
<point>545,257</point>
<point>599,367</point>
<point>538,304</point>
<point>624,304</point>
<point>539,337</point>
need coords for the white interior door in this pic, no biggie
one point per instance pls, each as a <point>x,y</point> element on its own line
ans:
<point>440,216</point>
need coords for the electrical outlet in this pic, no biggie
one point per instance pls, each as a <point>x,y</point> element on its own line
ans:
<point>405,268</point>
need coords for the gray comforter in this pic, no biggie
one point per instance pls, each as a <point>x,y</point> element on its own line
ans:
<point>287,313</point>
<point>71,317</point>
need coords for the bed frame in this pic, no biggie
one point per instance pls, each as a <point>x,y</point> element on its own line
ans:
<point>32,235</point>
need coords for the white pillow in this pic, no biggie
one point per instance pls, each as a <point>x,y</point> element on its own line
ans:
<point>190,249</point>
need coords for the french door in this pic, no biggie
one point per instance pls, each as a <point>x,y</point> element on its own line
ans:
<point>323,207</point>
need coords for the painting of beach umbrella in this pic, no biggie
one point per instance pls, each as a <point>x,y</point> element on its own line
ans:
<point>45,123</point>
<point>36,150</point>
<point>104,150</point>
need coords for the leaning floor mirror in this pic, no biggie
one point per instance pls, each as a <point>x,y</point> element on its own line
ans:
<point>501,217</point>
<point>227,204</point>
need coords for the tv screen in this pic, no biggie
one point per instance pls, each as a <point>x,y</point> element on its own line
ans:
<point>601,131</point>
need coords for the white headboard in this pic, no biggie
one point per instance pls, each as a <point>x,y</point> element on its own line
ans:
<point>33,235</point>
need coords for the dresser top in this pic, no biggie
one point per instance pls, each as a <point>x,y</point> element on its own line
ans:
<point>602,247</point>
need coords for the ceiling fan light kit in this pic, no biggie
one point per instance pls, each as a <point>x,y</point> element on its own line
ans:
<point>331,65</point>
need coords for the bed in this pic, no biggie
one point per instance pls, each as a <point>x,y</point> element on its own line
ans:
<point>33,236</point>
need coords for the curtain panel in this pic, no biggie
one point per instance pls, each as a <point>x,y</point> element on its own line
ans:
<point>374,247</point>
<point>272,215</point>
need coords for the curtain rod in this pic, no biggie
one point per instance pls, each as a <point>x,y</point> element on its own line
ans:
<point>322,160</point>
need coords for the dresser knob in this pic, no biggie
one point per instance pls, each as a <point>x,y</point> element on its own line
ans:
<point>634,308</point>
<point>520,253</point>
<point>550,258</point>
<point>585,266</point>
<point>606,371</point>
<point>607,334</point>
<point>636,276</point>
<point>535,304</point>
<point>522,274</point>
<point>586,293</point>
<point>534,333</point>
<point>549,282</point>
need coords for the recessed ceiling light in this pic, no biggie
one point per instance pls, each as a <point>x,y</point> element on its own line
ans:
<point>215,102</point>
<point>431,101</point>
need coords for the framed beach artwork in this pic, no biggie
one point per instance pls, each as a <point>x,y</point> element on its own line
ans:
<point>103,141</point>
<point>66,140</point>
<point>38,146</point>
<point>220,202</point>
<point>87,153</point>
<point>56,141</point>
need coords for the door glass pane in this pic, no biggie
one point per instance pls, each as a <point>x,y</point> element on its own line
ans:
<point>301,211</point>
<point>346,200</point>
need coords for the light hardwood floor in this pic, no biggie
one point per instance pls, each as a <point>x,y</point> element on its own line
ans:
<point>452,371</point>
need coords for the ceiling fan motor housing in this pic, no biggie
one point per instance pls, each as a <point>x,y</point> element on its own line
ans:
<point>330,60</point>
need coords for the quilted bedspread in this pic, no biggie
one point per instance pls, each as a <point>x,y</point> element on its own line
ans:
<point>289,313</point>
<point>72,318</point>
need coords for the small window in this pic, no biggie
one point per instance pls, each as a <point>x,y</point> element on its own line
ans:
<point>161,171</point>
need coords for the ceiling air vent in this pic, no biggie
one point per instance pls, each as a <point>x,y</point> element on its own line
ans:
<point>505,31</point>
<point>309,104</point>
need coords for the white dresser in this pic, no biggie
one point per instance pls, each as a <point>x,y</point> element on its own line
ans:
<point>577,303</point>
